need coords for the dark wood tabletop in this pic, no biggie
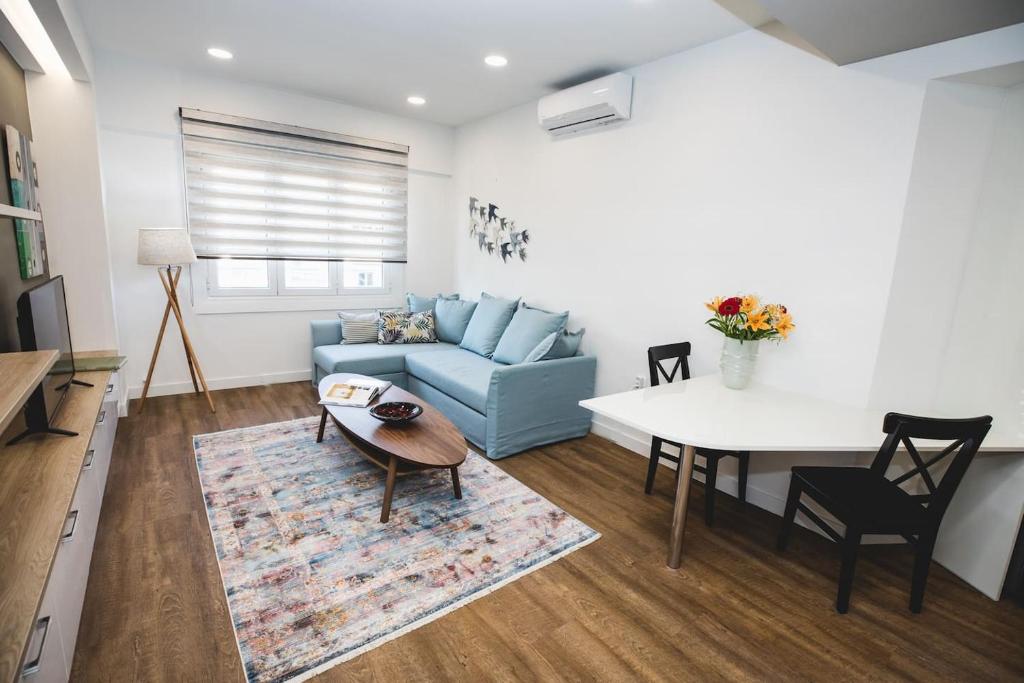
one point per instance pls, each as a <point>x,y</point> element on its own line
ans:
<point>431,440</point>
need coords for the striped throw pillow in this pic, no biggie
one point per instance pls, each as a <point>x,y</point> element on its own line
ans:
<point>358,328</point>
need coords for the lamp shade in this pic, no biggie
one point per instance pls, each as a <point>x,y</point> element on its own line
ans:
<point>165,247</point>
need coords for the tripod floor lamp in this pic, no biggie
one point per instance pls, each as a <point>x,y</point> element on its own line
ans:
<point>170,249</point>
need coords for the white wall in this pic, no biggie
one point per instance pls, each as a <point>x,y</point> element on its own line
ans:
<point>749,166</point>
<point>141,158</point>
<point>66,152</point>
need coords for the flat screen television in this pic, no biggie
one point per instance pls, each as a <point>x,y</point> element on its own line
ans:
<point>43,325</point>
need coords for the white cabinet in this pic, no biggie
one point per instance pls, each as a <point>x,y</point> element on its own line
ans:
<point>52,647</point>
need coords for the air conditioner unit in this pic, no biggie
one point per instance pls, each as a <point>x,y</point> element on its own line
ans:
<point>589,105</point>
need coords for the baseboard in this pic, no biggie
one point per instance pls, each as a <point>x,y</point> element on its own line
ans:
<point>727,483</point>
<point>223,383</point>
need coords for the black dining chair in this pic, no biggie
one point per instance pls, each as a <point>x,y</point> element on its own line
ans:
<point>866,502</point>
<point>656,355</point>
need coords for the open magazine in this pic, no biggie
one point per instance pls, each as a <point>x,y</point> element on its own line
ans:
<point>357,393</point>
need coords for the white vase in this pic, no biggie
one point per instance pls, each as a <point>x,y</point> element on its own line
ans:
<point>739,359</point>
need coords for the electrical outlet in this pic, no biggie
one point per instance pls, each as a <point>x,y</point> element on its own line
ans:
<point>639,382</point>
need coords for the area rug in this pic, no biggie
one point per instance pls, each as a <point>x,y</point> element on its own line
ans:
<point>313,578</point>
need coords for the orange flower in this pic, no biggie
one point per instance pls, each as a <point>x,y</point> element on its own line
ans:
<point>757,321</point>
<point>748,304</point>
<point>714,304</point>
<point>784,325</point>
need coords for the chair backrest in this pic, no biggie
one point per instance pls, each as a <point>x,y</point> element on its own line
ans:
<point>965,436</point>
<point>672,355</point>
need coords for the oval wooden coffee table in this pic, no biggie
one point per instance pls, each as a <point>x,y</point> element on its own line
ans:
<point>430,441</point>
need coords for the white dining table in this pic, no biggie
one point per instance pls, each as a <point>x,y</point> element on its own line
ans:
<point>702,413</point>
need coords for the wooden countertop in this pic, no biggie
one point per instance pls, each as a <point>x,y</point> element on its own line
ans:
<point>20,374</point>
<point>37,483</point>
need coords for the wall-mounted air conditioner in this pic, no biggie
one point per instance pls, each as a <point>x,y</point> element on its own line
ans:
<point>588,105</point>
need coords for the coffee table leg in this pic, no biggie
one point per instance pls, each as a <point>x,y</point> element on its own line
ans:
<point>455,481</point>
<point>389,489</point>
<point>323,423</point>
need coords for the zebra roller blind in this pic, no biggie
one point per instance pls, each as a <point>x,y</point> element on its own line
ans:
<point>257,189</point>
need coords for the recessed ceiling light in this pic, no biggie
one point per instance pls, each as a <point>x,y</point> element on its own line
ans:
<point>219,53</point>
<point>416,100</point>
<point>495,60</point>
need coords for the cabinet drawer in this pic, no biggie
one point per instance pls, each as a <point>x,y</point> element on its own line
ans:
<point>45,660</point>
<point>113,388</point>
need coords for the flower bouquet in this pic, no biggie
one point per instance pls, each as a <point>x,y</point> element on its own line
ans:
<point>745,322</point>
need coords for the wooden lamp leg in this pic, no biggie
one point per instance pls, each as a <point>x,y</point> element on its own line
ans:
<point>170,284</point>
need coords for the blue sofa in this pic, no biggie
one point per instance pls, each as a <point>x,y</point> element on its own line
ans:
<point>502,409</point>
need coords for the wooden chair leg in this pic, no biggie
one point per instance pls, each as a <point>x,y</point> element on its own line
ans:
<point>710,488</point>
<point>652,466</point>
<point>850,546</point>
<point>744,469</point>
<point>922,562</point>
<point>389,489</point>
<point>792,500</point>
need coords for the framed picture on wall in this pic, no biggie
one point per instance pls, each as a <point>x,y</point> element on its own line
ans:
<point>24,188</point>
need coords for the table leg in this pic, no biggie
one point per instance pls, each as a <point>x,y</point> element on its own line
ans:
<point>323,423</point>
<point>455,481</point>
<point>675,541</point>
<point>389,489</point>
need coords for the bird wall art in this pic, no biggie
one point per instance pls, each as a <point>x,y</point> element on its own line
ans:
<point>496,234</point>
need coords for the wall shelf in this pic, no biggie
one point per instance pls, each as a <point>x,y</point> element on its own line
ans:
<point>14,212</point>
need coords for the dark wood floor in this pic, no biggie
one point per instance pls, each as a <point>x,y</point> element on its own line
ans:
<point>155,609</point>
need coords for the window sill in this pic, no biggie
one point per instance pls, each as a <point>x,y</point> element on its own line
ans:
<point>280,304</point>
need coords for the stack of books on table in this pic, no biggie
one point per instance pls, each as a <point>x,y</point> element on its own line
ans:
<point>357,393</point>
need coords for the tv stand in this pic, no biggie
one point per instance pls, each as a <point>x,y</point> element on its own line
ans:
<point>46,430</point>
<point>76,382</point>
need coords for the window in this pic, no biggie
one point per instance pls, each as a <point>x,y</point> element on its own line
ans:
<point>308,218</point>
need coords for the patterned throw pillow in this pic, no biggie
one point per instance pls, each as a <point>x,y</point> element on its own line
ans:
<point>397,327</point>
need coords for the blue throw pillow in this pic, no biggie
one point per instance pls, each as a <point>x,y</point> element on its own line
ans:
<point>562,344</point>
<point>452,316</point>
<point>420,304</point>
<point>489,321</point>
<point>528,328</point>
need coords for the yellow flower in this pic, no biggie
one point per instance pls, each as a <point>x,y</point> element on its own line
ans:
<point>748,304</point>
<point>784,325</point>
<point>773,311</point>
<point>757,321</point>
<point>714,304</point>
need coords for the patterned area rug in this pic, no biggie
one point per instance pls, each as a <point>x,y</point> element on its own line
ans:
<point>313,578</point>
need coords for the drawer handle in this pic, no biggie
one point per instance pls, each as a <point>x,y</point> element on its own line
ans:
<point>110,387</point>
<point>89,456</point>
<point>73,521</point>
<point>102,417</point>
<point>32,667</point>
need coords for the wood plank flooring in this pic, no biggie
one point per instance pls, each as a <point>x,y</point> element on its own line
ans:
<point>735,610</point>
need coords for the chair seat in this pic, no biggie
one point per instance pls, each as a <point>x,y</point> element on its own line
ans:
<point>858,496</point>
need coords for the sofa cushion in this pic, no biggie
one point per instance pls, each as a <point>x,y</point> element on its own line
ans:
<point>451,317</point>
<point>566,345</point>
<point>419,304</point>
<point>529,326</point>
<point>461,374</point>
<point>370,359</point>
<point>488,323</point>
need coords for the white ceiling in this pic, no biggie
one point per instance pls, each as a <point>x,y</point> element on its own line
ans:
<point>375,53</point>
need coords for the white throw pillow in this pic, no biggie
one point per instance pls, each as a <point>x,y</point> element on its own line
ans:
<point>358,328</point>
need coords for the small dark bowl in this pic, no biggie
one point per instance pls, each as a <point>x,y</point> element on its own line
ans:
<point>396,412</point>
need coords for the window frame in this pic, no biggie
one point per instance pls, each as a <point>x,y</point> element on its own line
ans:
<point>208,298</point>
